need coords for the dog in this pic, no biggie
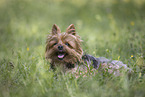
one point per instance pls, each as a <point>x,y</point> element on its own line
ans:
<point>64,50</point>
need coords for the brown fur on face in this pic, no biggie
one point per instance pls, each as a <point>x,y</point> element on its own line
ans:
<point>63,49</point>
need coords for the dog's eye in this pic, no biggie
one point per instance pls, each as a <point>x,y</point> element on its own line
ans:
<point>55,44</point>
<point>67,44</point>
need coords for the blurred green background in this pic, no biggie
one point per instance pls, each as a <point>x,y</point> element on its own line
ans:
<point>117,25</point>
<point>110,28</point>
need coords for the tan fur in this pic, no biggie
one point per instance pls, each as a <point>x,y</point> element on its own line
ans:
<point>64,51</point>
<point>70,42</point>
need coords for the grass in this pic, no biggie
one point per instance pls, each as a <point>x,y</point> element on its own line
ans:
<point>112,29</point>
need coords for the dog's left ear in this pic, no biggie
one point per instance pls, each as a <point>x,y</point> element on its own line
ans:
<point>71,30</point>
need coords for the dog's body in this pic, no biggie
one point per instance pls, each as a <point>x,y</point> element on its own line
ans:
<point>64,50</point>
<point>112,66</point>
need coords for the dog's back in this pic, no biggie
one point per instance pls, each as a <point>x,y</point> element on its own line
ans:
<point>113,66</point>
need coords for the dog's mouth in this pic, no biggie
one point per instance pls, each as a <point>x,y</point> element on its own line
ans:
<point>61,55</point>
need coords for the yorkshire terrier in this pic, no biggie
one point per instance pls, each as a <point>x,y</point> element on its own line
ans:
<point>64,50</point>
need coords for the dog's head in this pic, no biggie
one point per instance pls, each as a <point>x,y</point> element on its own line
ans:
<point>63,48</point>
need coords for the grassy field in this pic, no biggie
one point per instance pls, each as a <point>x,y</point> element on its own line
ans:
<point>110,28</point>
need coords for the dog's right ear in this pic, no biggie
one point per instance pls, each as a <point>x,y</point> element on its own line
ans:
<point>55,29</point>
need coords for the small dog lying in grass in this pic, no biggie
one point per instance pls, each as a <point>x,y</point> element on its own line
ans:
<point>64,50</point>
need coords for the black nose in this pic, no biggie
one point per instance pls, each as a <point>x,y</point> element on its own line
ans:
<point>60,47</point>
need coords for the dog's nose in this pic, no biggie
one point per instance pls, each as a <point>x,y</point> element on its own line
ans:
<point>60,47</point>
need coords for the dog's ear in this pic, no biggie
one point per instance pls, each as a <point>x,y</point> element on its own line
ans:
<point>55,29</point>
<point>71,30</point>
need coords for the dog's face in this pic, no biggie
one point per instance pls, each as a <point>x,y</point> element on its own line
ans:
<point>63,48</point>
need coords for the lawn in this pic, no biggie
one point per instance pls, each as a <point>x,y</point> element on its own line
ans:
<point>114,29</point>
